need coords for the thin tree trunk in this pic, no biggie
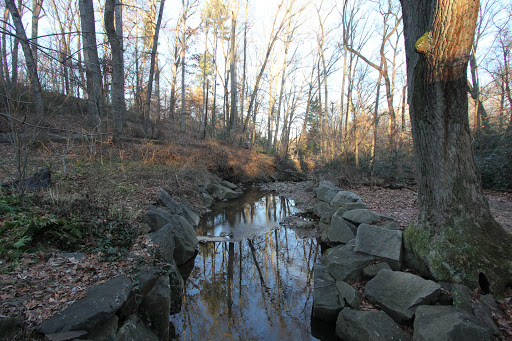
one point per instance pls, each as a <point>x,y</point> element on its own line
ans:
<point>232,70</point>
<point>118,99</point>
<point>242,99</point>
<point>154,48</point>
<point>36,11</point>
<point>15,49</point>
<point>375,124</point>
<point>95,96</point>
<point>29,59</point>
<point>183,66</point>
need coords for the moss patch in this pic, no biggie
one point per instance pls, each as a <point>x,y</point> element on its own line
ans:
<point>461,252</point>
<point>423,43</point>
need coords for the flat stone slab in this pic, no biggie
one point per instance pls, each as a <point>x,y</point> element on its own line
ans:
<point>206,239</point>
<point>446,323</point>
<point>344,264</point>
<point>361,216</point>
<point>380,242</point>
<point>101,303</point>
<point>358,325</point>
<point>326,303</point>
<point>400,293</point>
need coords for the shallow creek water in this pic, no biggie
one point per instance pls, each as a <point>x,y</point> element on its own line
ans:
<point>257,286</point>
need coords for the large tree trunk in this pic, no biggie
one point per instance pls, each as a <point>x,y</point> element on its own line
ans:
<point>96,106</point>
<point>29,59</point>
<point>455,237</point>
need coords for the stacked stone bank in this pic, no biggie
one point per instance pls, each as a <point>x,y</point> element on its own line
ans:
<point>367,246</point>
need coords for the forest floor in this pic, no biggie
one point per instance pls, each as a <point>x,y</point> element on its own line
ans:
<point>103,184</point>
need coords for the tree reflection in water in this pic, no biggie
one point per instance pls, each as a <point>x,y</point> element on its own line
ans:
<point>256,287</point>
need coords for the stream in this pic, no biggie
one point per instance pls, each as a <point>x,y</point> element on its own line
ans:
<point>256,286</point>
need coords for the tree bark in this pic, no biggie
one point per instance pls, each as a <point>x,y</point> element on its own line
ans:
<point>37,5</point>
<point>154,48</point>
<point>232,70</point>
<point>96,106</point>
<point>113,34</point>
<point>455,237</point>
<point>29,59</point>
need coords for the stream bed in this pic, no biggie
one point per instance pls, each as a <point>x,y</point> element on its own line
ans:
<point>256,286</point>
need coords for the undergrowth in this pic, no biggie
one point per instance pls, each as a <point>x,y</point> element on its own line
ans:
<point>28,229</point>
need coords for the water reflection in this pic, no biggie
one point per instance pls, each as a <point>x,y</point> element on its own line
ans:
<point>250,289</point>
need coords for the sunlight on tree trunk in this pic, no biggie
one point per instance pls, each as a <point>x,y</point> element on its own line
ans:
<point>455,237</point>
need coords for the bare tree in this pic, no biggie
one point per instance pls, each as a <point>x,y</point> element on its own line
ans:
<point>391,23</point>
<point>154,48</point>
<point>29,59</point>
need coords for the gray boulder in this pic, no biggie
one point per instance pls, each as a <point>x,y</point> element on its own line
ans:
<point>347,293</point>
<point>484,314</point>
<point>326,191</point>
<point>461,296</point>
<point>302,224</point>
<point>157,306</point>
<point>100,304</point>
<point>155,218</point>
<point>380,242</point>
<point>176,240</point>
<point>164,240</point>
<point>324,211</point>
<point>176,286</point>
<point>64,336</point>
<point>343,197</point>
<point>229,185</point>
<point>372,270</point>
<point>208,199</point>
<point>192,217</point>
<point>354,205</point>
<point>358,325</point>
<point>339,231</point>
<point>220,192</point>
<point>106,330</point>
<point>167,201</point>
<point>185,240</point>
<point>134,329</point>
<point>146,278</point>
<point>447,323</point>
<point>361,216</point>
<point>326,304</point>
<point>344,264</point>
<point>400,293</point>
<point>9,328</point>
<point>390,225</point>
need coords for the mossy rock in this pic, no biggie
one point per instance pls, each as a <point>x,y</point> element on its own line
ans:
<point>462,252</point>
